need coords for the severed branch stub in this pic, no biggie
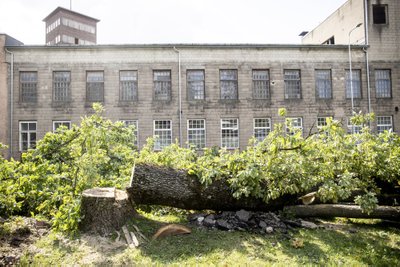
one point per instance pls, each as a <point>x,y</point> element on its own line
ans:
<point>105,210</point>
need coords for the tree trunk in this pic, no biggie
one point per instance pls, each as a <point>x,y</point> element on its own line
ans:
<point>348,211</point>
<point>155,185</point>
<point>105,210</point>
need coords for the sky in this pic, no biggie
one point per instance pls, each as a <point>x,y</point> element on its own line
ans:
<point>175,21</point>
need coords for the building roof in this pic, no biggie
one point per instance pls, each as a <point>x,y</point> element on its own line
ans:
<point>58,9</point>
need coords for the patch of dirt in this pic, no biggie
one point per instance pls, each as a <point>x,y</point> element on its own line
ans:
<point>16,235</point>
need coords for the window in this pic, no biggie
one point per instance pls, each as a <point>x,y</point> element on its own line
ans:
<point>195,84</point>
<point>27,135</point>
<point>95,86</point>
<point>262,127</point>
<point>28,85</point>
<point>162,84</point>
<point>128,90</point>
<point>292,84</point>
<point>61,86</point>
<point>353,128</point>
<point>58,124</point>
<point>294,125</point>
<point>323,84</point>
<point>383,84</point>
<point>379,14</point>
<point>197,133</point>
<point>133,123</point>
<point>356,81</point>
<point>163,131</point>
<point>230,133</point>
<point>384,123</point>
<point>322,121</point>
<point>229,84</point>
<point>330,41</point>
<point>261,84</point>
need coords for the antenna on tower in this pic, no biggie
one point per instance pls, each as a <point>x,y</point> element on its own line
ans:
<point>70,4</point>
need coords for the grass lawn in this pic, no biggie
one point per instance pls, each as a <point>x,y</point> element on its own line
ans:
<point>339,242</point>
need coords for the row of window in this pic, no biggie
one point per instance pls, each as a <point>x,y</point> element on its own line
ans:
<point>71,23</point>
<point>128,85</point>
<point>196,130</point>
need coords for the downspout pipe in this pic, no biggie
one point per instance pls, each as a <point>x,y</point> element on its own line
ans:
<point>179,95</point>
<point>366,53</point>
<point>11,115</point>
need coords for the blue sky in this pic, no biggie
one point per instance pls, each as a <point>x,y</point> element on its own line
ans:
<point>175,21</point>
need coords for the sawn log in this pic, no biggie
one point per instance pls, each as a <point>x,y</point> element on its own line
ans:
<point>156,185</point>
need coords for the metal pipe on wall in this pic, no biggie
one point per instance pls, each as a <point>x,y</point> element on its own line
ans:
<point>10,149</point>
<point>179,95</point>
<point>366,53</point>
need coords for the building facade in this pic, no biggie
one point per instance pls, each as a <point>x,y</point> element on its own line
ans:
<point>206,95</point>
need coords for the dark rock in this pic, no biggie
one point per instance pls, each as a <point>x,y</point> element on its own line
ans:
<point>209,222</point>
<point>223,224</point>
<point>262,224</point>
<point>243,215</point>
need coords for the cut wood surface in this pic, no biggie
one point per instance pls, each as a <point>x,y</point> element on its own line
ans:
<point>340,210</point>
<point>105,210</point>
<point>156,185</point>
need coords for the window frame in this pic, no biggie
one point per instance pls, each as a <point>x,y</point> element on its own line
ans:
<point>62,85</point>
<point>327,92</point>
<point>233,132</point>
<point>28,88</point>
<point>388,91</point>
<point>198,93</point>
<point>382,125</point>
<point>267,129</point>
<point>90,84</point>
<point>357,90</point>
<point>165,94</point>
<point>158,145</point>
<point>229,88</point>
<point>292,82</point>
<point>200,133</point>
<point>29,132</point>
<point>135,123</point>
<point>63,123</point>
<point>128,88</point>
<point>296,127</point>
<point>378,20</point>
<point>357,127</point>
<point>261,87</point>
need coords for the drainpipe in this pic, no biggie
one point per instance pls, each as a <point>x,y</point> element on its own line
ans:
<point>179,95</point>
<point>366,53</point>
<point>11,102</point>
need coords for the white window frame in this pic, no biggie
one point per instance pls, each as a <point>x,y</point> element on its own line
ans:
<point>295,125</point>
<point>135,123</point>
<point>64,122</point>
<point>200,134</point>
<point>29,132</point>
<point>232,141</point>
<point>357,128</point>
<point>158,145</point>
<point>266,129</point>
<point>385,126</point>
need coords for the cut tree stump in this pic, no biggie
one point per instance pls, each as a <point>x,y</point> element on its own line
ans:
<point>105,210</point>
<point>340,210</point>
<point>157,185</point>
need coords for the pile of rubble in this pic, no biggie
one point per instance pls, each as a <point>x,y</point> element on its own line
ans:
<point>242,220</point>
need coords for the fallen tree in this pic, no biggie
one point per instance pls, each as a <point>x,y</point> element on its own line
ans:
<point>156,185</point>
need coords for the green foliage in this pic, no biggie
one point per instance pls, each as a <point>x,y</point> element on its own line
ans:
<point>50,178</point>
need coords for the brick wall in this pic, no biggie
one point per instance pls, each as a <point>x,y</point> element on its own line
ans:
<point>145,59</point>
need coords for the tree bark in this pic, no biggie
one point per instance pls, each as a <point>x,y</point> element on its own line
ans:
<point>156,185</point>
<point>105,210</point>
<point>338,210</point>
